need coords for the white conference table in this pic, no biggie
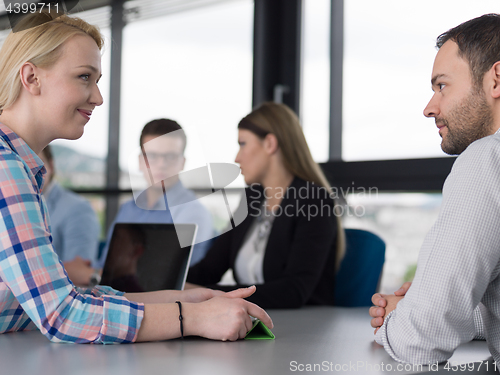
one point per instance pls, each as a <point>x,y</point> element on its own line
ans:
<point>333,338</point>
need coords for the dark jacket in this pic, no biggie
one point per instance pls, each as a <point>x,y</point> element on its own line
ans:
<point>299,262</point>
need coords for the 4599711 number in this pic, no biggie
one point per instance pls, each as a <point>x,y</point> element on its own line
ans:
<point>25,8</point>
<point>471,367</point>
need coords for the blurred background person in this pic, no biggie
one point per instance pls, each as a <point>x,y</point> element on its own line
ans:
<point>163,143</point>
<point>74,224</point>
<point>291,242</point>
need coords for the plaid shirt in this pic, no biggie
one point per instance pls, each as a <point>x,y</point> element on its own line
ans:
<point>35,291</point>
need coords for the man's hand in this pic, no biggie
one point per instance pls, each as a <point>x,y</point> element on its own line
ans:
<point>381,308</point>
<point>79,271</point>
<point>404,288</point>
<point>377,312</point>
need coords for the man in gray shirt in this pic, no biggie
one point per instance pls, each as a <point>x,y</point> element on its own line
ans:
<point>456,290</point>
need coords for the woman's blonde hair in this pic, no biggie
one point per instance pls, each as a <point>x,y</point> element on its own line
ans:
<point>280,120</point>
<point>38,42</point>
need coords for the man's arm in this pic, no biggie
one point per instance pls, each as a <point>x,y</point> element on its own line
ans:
<point>383,306</point>
<point>379,311</point>
<point>456,263</point>
<point>80,232</point>
<point>79,271</point>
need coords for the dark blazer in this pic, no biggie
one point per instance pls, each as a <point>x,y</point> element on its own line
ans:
<point>299,262</point>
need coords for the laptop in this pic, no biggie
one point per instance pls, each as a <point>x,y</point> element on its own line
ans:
<point>145,257</point>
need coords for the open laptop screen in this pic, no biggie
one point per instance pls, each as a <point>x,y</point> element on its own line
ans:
<point>148,257</point>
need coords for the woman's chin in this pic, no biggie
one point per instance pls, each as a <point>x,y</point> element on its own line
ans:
<point>249,181</point>
<point>74,135</point>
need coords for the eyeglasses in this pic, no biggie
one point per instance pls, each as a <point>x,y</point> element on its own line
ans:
<point>167,158</point>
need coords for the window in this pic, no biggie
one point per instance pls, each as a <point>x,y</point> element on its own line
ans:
<point>402,220</point>
<point>81,163</point>
<point>315,100</point>
<point>194,67</point>
<point>388,56</point>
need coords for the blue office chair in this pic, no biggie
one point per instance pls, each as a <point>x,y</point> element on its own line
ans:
<point>359,274</point>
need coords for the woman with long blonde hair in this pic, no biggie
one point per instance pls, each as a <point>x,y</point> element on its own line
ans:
<point>291,242</point>
<point>49,71</point>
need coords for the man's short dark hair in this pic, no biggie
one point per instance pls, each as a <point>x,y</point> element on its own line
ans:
<point>161,127</point>
<point>478,43</point>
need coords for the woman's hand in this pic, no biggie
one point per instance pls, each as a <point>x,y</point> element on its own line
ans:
<point>199,294</point>
<point>225,317</point>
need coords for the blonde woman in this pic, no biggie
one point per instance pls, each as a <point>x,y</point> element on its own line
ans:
<point>48,89</point>
<point>291,241</point>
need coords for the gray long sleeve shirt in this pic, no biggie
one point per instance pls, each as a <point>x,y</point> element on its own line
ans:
<point>458,267</point>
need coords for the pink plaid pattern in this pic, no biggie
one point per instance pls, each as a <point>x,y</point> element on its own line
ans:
<point>35,291</point>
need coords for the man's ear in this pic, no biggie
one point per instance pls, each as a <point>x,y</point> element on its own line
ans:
<point>271,144</point>
<point>495,75</point>
<point>29,78</point>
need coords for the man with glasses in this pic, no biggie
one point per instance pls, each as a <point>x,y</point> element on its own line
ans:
<point>162,158</point>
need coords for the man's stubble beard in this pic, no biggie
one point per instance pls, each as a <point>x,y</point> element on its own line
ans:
<point>470,120</point>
